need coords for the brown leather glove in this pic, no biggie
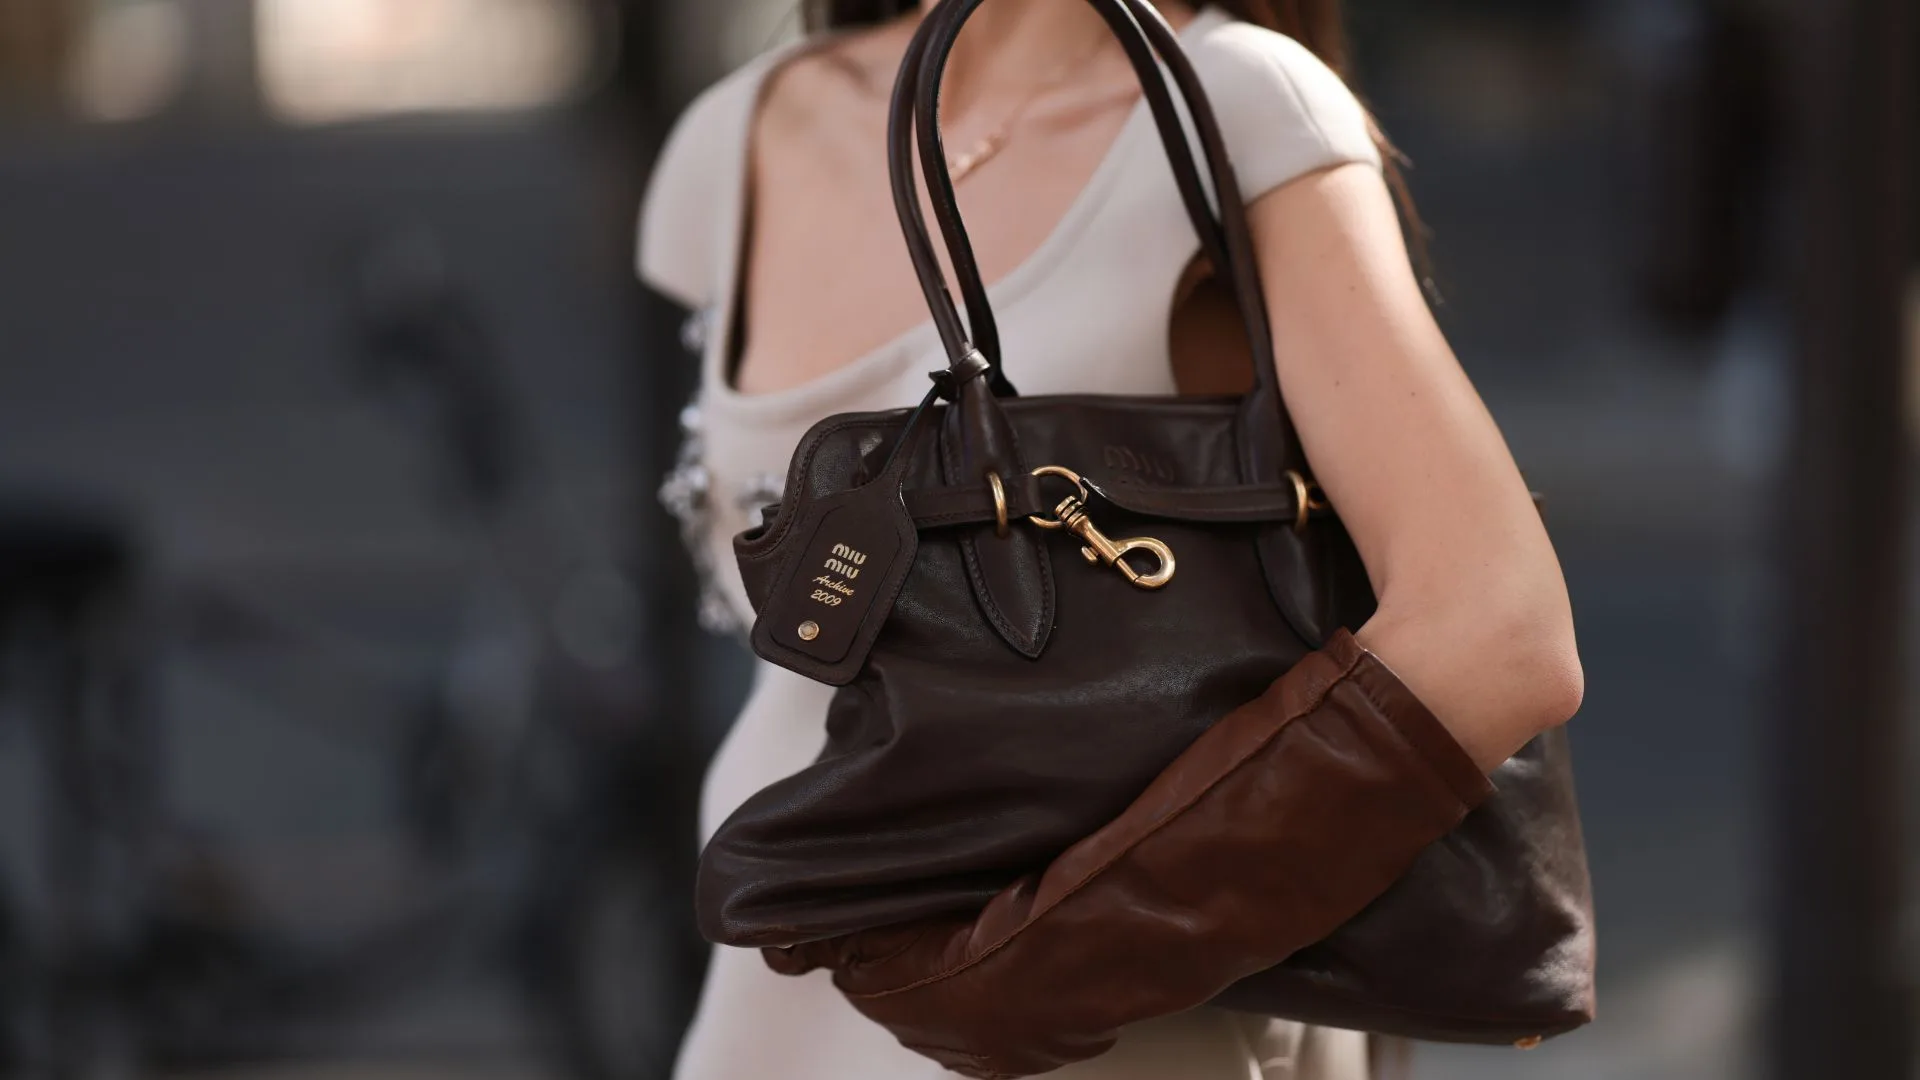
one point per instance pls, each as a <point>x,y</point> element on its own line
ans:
<point>1280,823</point>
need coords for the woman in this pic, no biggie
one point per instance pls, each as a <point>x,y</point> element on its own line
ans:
<point>769,213</point>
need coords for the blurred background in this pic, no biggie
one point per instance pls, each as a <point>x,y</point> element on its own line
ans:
<point>352,708</point>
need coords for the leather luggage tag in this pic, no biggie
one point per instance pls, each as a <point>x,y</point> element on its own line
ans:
<point>846,561</point>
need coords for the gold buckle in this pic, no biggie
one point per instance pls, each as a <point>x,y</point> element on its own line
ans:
<point>1307,497</point>
<point>999,504</point>
<point>1071,515</point>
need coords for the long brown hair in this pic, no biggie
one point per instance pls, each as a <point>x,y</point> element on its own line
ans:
<point>1320,25</point>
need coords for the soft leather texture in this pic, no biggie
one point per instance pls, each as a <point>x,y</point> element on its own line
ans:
<point>1002,700</point>
<point>1012,576</point>
<point>1195,886</point>
<point>954,765</point>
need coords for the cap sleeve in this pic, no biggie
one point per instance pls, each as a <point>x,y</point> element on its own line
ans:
<point>1283,112</point>
<point>681,215</point>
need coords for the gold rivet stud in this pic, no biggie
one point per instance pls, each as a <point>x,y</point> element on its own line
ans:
<point>809,630</point>
<point>1529,1042</point>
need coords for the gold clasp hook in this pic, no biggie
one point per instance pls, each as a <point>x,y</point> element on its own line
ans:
<point>1071,515</point>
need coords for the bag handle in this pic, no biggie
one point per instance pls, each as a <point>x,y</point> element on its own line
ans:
<point>909,86</point>
<point>1227,241</point>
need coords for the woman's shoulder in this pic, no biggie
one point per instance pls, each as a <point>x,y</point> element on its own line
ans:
<point>1283,112</point>
<point>702,164</point>
<point>679,213</point>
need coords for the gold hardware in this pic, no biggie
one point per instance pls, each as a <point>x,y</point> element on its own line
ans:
<point>1071,515</point>
<point>1307,497</point>
<point>1529,1042</point>
<point>809,630</point>
<point>999,504</point>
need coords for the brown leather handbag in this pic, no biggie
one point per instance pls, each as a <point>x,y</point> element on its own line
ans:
<point>1027,627</point>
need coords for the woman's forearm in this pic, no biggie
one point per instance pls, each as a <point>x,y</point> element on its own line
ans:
<point>1497,666</point>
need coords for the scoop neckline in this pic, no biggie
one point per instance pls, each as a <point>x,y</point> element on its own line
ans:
<point>1008,288</point>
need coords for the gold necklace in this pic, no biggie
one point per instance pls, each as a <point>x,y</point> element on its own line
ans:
<point>988,146</point>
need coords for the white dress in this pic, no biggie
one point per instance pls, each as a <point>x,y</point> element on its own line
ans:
<point>1088,310</point>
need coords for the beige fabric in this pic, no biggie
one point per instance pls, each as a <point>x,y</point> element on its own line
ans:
<point>1088,310</point>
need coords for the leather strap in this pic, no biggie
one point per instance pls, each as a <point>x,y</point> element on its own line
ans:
<point>926,267</point>
<point>939,506</point>
<point>938,31</point>
<point>1141,32</point>
<point>1241,504</point>
<point>1266,444</point>
<point>1269,444</point>
<point>973,504</point>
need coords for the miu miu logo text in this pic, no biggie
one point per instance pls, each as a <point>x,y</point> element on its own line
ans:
<point>1133,461</point>
<point>846,563</point>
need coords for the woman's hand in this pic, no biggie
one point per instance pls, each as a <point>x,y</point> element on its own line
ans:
<point>1473,611</point>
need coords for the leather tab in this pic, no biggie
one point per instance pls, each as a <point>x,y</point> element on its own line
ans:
<point>969,367</point>
<point>1011,575</point>
<point>840,569</point>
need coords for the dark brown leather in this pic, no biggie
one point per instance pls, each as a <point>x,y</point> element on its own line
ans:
<point>954,765</point>
<point>973,504</point>
<point>1267,442</point>
<point>1280,821</point>
<point>1011,575</point>
<point>976,738</point>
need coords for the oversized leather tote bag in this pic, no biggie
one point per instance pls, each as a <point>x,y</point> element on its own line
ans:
<point>1031,605</point>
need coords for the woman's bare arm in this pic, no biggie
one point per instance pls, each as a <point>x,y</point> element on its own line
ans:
<point>1473,612</point>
